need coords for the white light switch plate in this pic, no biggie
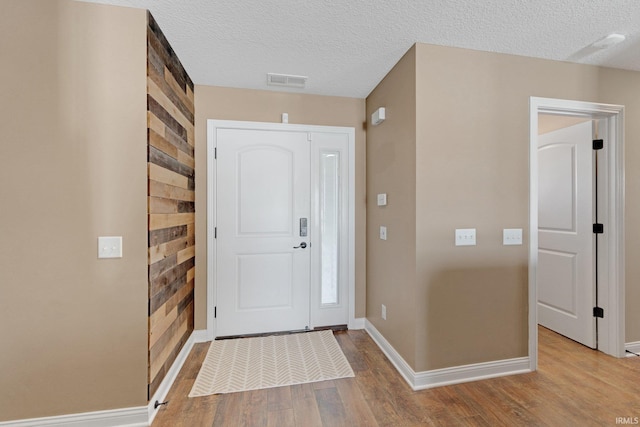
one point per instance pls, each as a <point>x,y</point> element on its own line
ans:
<point>512,236</point>
<point>465,236</point>
<point>110,247</point>
<point>383,232</point>
<point>382,199</point>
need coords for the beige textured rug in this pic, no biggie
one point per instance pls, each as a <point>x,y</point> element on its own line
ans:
<point>263,362</point>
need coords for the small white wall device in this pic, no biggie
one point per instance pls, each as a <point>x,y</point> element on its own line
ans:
<point>110,247</point>
<point>378,116</point>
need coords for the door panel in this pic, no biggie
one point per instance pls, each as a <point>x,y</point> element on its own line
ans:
<point>557,210</point>
<point>263,186</point>
<point>252,270</point>
<point>566,290</point>
<point>265,200</point>
<point>560,281</point>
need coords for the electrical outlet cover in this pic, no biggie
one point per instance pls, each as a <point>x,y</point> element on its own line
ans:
<point>512,236</point>
<point>465,236</point>
<point>383,232</point>
<point>110,247</point>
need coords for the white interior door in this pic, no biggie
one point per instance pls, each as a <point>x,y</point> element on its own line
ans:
<point>566,290</point>
<point>263,271</point>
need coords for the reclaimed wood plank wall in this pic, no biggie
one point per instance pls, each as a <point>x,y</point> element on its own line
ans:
<point>171,208</point>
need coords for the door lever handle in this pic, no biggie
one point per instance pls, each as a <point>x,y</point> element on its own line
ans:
<point>302,245</point>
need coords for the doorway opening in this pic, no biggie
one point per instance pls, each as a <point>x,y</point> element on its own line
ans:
<point>608,121</point>
<point>280,222</point>
<point>568,253</point>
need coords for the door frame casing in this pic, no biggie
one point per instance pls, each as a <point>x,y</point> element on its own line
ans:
<point>212,125</point>
<point>611,294</point>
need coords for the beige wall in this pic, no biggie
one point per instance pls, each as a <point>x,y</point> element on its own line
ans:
<point>266,106</point>
<point>623,87</point>
<point>550,122</point>
<point>471,163</point>
<point>391,169</point>
<point>73,150</point>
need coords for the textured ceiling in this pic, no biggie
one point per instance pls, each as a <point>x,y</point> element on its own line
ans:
<point>346,47</point>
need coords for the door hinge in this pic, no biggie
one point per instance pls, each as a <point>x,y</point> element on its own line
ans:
<point>598,228</point>
<point>215,232</point>
<point>215,152</point>
<point>598,144</point>
<point>598,312</point>
<point>215,312</point>
<point>309,136</point>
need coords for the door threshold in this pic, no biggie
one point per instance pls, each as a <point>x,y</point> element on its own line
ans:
<point>334,328</point>
<point>569,338</point>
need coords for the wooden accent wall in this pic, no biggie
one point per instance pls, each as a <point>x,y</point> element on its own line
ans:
<point>171,207</point>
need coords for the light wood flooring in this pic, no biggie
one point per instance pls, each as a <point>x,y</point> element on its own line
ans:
<point>574,386</point>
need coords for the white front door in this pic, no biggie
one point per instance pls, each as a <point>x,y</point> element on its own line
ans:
<point>263,266</point>
<point>279,188</point>
<point>566,290</point>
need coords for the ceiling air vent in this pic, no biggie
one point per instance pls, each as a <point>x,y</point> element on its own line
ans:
<point>286,80</point>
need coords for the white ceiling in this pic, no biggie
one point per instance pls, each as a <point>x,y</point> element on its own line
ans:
<point>346,47</point>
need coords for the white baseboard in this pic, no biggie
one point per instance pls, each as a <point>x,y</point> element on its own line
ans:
<point>128,417</point>
<point>447,376</point>
<point>633,347</point>
<point>357,323</point>
<point>200,335</point>
<point>160,394</point>
<point>394,357</point>
<point>473,372</point>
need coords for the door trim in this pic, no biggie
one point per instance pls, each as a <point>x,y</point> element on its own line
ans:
<point>212,125</point>
<point>612,294</point>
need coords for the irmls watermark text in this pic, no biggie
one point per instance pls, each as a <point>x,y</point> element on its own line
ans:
<point>628,420</point>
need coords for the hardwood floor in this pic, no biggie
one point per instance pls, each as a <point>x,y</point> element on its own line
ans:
<point>574,386</point>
